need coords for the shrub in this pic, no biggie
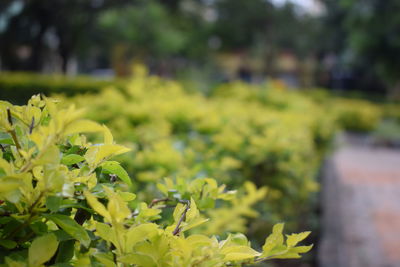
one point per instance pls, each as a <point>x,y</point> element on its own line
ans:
<point>20,86</point>
<point>241,133</point>
<point>63,202</point>
<point>356,115</point>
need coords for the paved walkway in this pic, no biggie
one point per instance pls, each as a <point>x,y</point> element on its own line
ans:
<point>361,208</point>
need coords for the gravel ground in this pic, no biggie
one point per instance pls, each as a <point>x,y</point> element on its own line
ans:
<point>361,207</point>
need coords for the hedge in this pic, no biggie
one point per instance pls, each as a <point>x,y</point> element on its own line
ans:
<point>18,87</point>
<point>63,202</point>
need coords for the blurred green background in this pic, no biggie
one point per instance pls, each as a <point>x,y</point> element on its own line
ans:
<point>337,44</point>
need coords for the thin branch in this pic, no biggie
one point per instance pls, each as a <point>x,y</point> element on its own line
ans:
<point>12,132</point>
<point>14,137</point>
<point>177,229</point>
<point>9,118</point>
<point>158,200</point>
<point>32,125</point>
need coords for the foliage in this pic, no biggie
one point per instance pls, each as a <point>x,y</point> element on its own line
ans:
<point>19,86</point>
<point>38,26</point>
<point>241,133</point>
<point>353,113</point>
<point>357,115</point>
<point>186,33</point>
<point>64,203</point>
<point>373,26</point>
<point>158,38</point>
<point>362,35</point>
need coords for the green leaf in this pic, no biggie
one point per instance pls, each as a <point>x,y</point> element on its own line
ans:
<point>39,227</point>
<point>113,167</point>
<point>138,259</point>
<point>273,240</point>
<point>106,259</point>
<point>127,196</point>
<point>105,232</point>
<point>293,239</point>
<point>42,249</point>
<point>82,125</point>
<point>65,251</point>
<point>71,227</point>
<point>52,156</point>
<point>8,244</point>
<point>7,141</point>
<point>237,253</point>
<point>240,239</point>
<point>72,159</point>
<point>13,263</point>
<point>140,233</point>
<point>301,249</point>
<point>53,203</point>
<point>97,205</point>
<point>62,235</point>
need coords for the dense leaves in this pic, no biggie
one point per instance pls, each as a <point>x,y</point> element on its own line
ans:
<point>59,208</point>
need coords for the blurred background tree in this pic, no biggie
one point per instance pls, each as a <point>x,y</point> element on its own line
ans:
<point>345,44</point>
<point>373,28</point>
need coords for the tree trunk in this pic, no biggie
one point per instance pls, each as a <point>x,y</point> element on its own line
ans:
<point>394,91</point>
<point>65,55</point>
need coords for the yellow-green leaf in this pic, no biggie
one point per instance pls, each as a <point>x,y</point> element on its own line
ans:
<point>71,227</point>
<point>116,206</point>
<point>237,253</point>
<point>274,239</point>
<point>106,259</point>
<point>140,233</point>
<point>13,263</point>
<point>113,167</point>
<point>127,196</point>
<point>97,206</point>
<point>293,239</point>
<point>72,159</point>
<point>108,138</point>
<point>81,126</point>
<point>301,249</point>
<point>104,231</point>
<point>96,154</point>
<point>42,249</point>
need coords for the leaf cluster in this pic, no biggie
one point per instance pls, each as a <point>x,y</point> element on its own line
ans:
<point>63,202</point>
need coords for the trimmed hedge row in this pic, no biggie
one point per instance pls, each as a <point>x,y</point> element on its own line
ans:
<point>272,137</point>
<point>240,133</point>
<point>18,87</point>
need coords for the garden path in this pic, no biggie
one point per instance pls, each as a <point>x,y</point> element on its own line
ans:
<point>361,207</point>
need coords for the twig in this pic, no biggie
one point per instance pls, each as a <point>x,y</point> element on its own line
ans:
<point>32,125</point>
<point>9,118</point>
<point>177,229</point>
<point>12,132</point>
<point>158,200</point>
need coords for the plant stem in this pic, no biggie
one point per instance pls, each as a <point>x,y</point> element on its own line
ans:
<point>178,225</point>
<point>12,132</point>
<point>32,125</point>
<point>158,200</point>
